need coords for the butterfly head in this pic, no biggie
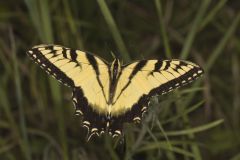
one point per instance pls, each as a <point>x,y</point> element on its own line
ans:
<point>115,68</point>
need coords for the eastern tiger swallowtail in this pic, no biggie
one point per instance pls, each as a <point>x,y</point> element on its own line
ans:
<point>108,95</point>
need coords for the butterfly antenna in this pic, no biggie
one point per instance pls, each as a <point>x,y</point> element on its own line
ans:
<point>113,55</point>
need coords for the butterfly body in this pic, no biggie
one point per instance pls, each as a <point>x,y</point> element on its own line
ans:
<point>115,70</point>
<point>109,95</point>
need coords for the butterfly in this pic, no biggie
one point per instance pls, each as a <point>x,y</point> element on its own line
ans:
<point>107,95</point>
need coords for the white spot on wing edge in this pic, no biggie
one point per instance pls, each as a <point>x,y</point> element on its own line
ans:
<point>86,123</point>
<point>115,135</point>
<point>195,74</point>
<point>75,99</point>
<point>94,130</point>
<point>102,132</point>
<point>78,112</point>
<point>137,119</point>
<point>118,132</point>
<point>90,136</point>
<point>144,108</point>
<point>87,127</point>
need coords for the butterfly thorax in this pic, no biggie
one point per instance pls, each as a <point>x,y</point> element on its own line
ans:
<point>115,70</point>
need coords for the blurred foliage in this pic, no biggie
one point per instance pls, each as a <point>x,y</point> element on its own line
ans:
<point>36,115</point>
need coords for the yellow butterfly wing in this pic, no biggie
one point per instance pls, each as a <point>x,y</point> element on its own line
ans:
<point>139,81</point>
<point>88,75</point>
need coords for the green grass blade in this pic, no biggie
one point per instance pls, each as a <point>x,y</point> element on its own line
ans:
<point>165,146</point>
<point>54,85</point>
<point>32,6</point>
<point>167,48</point>
<point>46,22</point>
<point>3,60</point>
<point>196,129</point>
<point>72,24</point>
<point>22,120</point>
<point>186,112</point>
<point>212,14</point>
<point>217,51</point>
<point>236,92</point>
<point>195,149</point>
<point>192,89</point>
<point>220,47</point>
<point>5,106</point>
<point>236,157</point>
<point>41,17</point>
<point>191,35</point>
<point>114,30</point>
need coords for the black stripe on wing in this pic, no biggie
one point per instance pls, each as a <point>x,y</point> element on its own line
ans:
<point>36,55</point>
<point>92,60</point>
<point>157,66</point>
<point>136,69</point>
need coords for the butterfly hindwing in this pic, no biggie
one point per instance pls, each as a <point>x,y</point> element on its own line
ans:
<point>94,122</point>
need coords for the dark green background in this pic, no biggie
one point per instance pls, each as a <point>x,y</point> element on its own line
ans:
<point>200,121</point>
